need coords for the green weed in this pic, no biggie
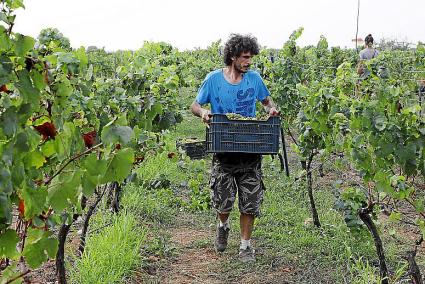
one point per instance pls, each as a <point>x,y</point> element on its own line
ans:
<point>287,226</point>
<point>159,205</point>
<point>112,254</point>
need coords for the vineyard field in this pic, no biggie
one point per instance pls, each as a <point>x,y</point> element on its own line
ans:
<point>96,186</point>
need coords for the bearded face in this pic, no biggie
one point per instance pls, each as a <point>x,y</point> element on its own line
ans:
<point>242,63</point>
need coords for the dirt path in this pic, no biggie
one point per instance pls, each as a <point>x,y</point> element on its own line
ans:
<point>196,262</point>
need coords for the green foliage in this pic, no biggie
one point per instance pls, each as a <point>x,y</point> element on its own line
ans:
<point>156,166</point>
<point>186,177</point>
<point>375,121</point>
<point>285,225</point>
<point>53,97</point>
<point>50,40</point>
<point>199,193</point>
<point>68,125</point>
<point>153,205</point>
<point>364,272</point>
<point>351,200</point>
<point>40,246</point>
<point>8,240</point>
<point>196,64</point>
<point>102,263</point>
<point>119,166</point>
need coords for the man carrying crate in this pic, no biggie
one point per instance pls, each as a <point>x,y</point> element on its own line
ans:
<point>235,89</point>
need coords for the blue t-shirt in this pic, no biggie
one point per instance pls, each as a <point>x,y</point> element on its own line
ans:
<point>225,97</point>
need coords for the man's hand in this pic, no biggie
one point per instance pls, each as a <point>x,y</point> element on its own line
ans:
<point>270,107</point>
<point>273,111</point>
<point>206,115</point>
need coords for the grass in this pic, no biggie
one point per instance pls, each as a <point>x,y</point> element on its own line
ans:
<point>285,235</point>
<point>285,230</point>
<point>158,205</point>
<point>168,189</point>
<point>191,126</point>
<point>326,253</point>
<point>286,226</point>
<point>113,254</point>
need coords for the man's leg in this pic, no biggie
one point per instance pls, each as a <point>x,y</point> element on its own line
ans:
<point>246,253</point>
<point>247,223</point>
<point>223,217</point>
<point>251,191</point>
<point>222,233</point>
<point>223,196</point>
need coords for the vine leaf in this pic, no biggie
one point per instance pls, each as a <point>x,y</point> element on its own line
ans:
<point>39,247</point>
<point>34,200</point>
<point>64,187</point>
<point>63,91</point>
<point>5,181</point>
<point>8,241</point>
<point>35,159</point>
<point>26,88</point>
<point>119,167</point>
<point>23,44</point>
<point>9,121</point>
<point>95,169</point>
<point>117,134</point>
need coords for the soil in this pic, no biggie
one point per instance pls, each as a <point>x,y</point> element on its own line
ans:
<point>197,262</point>
<point>43,275</point>
<point>46,274</point>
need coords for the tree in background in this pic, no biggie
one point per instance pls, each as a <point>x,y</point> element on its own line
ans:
<point>50,39</point>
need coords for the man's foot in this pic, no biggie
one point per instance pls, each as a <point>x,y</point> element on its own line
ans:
<point>247,255</point>
<point>221,238</point>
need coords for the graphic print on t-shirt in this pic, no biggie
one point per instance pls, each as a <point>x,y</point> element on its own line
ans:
<point>245,102</point>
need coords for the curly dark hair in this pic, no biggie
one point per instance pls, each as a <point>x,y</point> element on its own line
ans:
<point>237,44</point>
<point>369,39</point>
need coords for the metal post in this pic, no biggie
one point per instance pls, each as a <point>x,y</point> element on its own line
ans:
<point>421,89</point>
<point>285,156</point>
<point>357,27</point>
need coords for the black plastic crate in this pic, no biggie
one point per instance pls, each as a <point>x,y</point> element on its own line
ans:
<point>243,136</point>
<point>195,149</point>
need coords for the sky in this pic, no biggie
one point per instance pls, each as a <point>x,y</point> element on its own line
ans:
<point>188,24</point>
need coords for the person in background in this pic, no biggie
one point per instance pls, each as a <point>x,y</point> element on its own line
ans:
<point>235,89</point>
<point>367,53</point>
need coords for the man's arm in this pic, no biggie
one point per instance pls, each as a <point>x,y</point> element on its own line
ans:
<point>203,113</point>
<point>269,106</point>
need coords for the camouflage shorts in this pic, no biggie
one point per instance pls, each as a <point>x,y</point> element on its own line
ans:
<point>234,174</point>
